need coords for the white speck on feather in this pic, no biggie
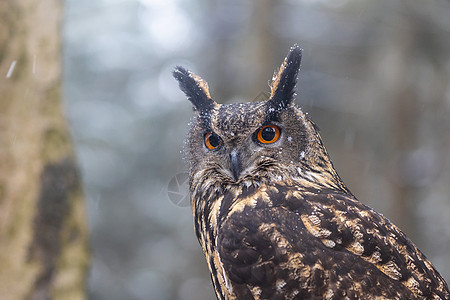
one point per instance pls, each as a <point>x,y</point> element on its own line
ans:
<point>290,138</point>
<point>302,155</point>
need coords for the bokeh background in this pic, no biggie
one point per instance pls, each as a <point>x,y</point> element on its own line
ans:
<point>375,78</point>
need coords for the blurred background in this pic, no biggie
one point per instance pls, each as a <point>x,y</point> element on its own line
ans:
<point>375,78</point>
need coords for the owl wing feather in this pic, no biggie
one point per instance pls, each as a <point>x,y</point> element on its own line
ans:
<point>321,245</point>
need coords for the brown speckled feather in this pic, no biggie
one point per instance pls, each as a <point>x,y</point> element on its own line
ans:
<point>321,246</point>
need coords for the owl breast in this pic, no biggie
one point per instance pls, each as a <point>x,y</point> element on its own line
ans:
<point>280,242</point>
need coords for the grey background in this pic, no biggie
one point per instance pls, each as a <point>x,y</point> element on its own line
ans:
<point>375,78</point>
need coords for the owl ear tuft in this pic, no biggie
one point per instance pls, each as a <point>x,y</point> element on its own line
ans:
<point>195,89</point>
<point>282,88</point>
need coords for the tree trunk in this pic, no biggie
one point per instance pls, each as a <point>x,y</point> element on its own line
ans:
<point>43,229</point>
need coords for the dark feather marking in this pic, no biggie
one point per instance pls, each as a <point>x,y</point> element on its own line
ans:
<point>195,93</point>
<point>214,277</point>
<point>197,225</point>
<point>225,206</point>
<point>285,89</point>
<point>369,244</point>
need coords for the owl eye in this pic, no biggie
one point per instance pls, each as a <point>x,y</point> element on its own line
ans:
<point>268,134</point>
<point>212,140</point>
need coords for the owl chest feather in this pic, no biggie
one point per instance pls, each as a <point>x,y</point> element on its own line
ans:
<point>269,241</point>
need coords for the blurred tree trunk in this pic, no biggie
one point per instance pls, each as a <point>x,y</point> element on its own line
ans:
<point>43,230</point>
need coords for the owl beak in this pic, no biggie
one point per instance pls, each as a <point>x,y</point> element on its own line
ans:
<point>236,167</point>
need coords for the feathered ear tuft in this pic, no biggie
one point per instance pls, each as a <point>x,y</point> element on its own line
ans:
<point>282,88</point>
<point>195,88</point>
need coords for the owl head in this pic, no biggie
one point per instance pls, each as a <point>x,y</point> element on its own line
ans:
<point>256,142</point>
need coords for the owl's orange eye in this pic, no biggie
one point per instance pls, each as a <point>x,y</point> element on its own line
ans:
<point>268,134</point>
<point>212,140</point>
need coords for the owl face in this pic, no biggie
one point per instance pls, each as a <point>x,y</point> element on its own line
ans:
<point>246,141</point>
<point>251,143</point>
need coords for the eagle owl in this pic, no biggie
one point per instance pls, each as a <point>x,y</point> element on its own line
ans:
<point>272,215</point>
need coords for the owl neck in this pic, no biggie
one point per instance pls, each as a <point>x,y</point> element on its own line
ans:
<point>318,175</point>
<point>316,169</point>
<point>211,199</point>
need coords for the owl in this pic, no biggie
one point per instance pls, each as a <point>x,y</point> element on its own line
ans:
<point>273,217</point>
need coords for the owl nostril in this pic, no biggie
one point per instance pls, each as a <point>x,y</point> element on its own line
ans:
<point>235,164</point>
